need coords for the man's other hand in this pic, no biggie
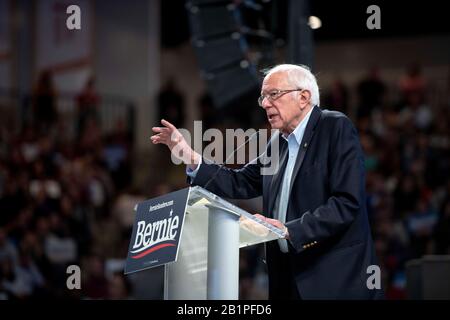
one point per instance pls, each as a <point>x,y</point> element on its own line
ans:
<point>275,223</point>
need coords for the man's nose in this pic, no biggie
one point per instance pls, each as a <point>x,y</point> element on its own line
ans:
<point>266,103</point>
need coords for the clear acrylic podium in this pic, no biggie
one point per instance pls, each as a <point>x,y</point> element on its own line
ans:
<point>207,266</point>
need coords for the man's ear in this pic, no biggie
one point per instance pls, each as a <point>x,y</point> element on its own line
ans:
<point>304,98</point>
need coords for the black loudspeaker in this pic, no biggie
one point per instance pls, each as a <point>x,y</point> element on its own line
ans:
<point>213,20</point>
<point>428,278</point>
<point>221,50</point>
<point>219,53</point>
<point>228,84</point>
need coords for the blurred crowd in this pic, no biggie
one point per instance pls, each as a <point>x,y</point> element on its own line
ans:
<point>407,149</point>
<point>67,201</point>
<point>57,198</point>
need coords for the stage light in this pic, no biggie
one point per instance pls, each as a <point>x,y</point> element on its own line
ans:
<point>314,22</point>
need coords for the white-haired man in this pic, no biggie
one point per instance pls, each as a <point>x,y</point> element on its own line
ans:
<point>317,196</point>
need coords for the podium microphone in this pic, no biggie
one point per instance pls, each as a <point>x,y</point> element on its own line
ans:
<point>232,154</point>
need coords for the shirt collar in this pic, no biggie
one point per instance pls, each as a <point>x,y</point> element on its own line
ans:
<point>299,130</point>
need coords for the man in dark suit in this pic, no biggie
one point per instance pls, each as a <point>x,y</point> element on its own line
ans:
<point>317,196</point>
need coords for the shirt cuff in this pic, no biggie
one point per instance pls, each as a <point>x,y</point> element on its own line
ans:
<point>192,173</point>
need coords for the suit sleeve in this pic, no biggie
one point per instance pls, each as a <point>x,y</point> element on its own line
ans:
<point>346,182</point>
<point>244,183</point>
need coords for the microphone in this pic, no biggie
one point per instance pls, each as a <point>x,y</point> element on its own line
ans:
<point>232,154</point>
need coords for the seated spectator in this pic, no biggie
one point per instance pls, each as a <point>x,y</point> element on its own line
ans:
<point>441,232</point>
<point>45,113</point>
<point>171,104</point>
<point>412,83</point>
<point>371,90</point>
<point>88,102</point>
<point>420,225</point>
<point>337,96</point>
<point>95,285</point>
<point>118,287</point>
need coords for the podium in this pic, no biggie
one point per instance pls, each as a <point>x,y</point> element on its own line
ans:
<point>207,265</point>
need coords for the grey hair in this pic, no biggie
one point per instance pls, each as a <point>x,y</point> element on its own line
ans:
<point>299,76</point>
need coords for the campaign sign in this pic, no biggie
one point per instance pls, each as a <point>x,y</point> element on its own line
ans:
<point>157,231</point>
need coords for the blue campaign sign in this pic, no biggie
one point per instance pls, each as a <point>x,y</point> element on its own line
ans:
<point>157,231</point>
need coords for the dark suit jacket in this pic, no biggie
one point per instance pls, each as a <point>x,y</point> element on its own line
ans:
<point>330,244</point>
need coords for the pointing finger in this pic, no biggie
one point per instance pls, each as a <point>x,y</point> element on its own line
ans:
<point>168,124</point>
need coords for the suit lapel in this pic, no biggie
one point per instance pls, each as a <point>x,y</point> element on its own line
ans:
<point>278,177</point>
<point>306,140</point>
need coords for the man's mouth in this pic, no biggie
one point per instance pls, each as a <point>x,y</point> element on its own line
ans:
<point>271,116</point>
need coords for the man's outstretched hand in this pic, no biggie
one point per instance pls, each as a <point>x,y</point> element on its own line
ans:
<point>174,140</point>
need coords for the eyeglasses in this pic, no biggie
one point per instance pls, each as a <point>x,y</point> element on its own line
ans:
<point>274,95</point>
